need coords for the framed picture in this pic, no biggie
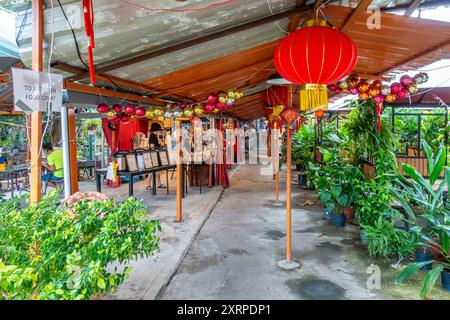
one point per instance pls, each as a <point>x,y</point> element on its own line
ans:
<point>148,160</point>
<point>131,162</point>
<point>155,161</point>
<point>163,158</point>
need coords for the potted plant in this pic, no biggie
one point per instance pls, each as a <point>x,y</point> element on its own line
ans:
<point>302,150</point>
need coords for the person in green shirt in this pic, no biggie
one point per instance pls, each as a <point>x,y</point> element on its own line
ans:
<point>54,164</point>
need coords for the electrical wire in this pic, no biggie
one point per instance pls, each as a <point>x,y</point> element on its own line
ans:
<point>180,10</point>
<point>276,23</point>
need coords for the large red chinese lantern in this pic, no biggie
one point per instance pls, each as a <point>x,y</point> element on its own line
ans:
<point>314,56</point>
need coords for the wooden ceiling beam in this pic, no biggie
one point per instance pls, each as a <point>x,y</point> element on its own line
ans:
<point>111,79</point>
<point>144,55</point>
<point>78,87</point>
<point>355,15</point>
<point>207,81</point>
<point>412,7</point>
<point>416,57</point>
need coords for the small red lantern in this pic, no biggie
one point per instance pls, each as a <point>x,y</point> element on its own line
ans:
<point>277,95</point>
<point>288,115</point>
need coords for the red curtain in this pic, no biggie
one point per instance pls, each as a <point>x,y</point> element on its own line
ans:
<point>124,134</point>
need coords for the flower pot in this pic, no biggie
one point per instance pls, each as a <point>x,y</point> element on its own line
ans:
<point>349,213</point>
<point>445,279</point>
<point>363,237</point>
<point>338,221</point>
<point>422,255</point>
<point>327,214</point>
<point>302,179</point>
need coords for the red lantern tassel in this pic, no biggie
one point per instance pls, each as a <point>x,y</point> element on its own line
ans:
<point>88,15</point>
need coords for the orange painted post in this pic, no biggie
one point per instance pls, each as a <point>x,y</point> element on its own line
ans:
<point>277,173</point>
<point>73,150</point>
<point>179,174</point>
<point>36,116</point>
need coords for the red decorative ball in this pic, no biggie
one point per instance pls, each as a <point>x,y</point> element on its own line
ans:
<point>130,109</point>
<point>102,108</point>
<point>209,107</point>
<point>117,108</point>
<point>396,87</point>
<point>403,93</point>
<point>213,98</point>
<point>140,111</point>
<point>315,55</point>
<point>354,90</point>
<point>125,118</point>
<point>405,80</point>
<point>378,99</point>
<point>331,87</point>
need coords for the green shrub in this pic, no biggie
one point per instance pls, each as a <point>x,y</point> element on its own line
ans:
<point>53,252</point>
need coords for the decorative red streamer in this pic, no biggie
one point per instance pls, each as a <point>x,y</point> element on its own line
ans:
<point>88,15</point>
<point>180,10</point>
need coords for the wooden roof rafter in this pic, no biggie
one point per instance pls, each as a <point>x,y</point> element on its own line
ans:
<point>355,15</point>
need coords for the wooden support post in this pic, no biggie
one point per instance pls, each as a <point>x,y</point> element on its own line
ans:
<point>277,171</point>
<point>73,150</point>
<point>36,116</point>
<point>179,174</point>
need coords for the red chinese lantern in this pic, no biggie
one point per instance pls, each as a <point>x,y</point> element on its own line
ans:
<point>314,56</point>
<point>277,95</point>
<point>288,115</point>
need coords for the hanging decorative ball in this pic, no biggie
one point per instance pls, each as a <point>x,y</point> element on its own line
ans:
<point>140,111</point>
<point>198,110</point>
<point>130,109</point>
<point>125,117</point>
<point>231,94</point>
<point>111,113</point>
<point>363,96</point>
<point>396,87</point>
<point>149,113</point>
<point>374,91</point>
<point>168,113</point>
<point>183,105</point>
<point>159,112</point>
<point>102,108</point>
<point>223,97</point>
<point>216,110</point>
<point>117,108</point>
<point>390,98</point>
<point>231,101</point>
<point>413,88</point>
<point>317,63</point>
<point>239,95</point>
<point>319,113</point>
<point>385,90</point>
<point>403,93</point>
<point>363,87</point>
<point>405,80</point>
<point>378,99</point>
<point>354,90</point>
<point>177,113</point>
<point>209,107</point>
<point>331,87</point>
<point>343,85</point>
<point>221,106</point>
<point>115,119</point>
<point>376,84</point>
<point>346,91</point>
<point>212,98</point>
<point>353,80</point>
<point>188,112</point>
<point>421,78</point>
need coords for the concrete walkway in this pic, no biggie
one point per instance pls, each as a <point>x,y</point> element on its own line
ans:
<point>235,254</point>
<point>149,276</point>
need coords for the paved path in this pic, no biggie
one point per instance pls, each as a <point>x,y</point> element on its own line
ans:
<point>236,252</point>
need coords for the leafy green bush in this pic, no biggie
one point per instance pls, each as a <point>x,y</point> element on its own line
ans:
<point>53,252</point>
<point>385,240</point>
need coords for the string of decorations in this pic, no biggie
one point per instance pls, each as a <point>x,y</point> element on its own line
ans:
<point>215,103</point>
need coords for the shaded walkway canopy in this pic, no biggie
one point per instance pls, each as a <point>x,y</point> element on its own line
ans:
<point>187,55</point>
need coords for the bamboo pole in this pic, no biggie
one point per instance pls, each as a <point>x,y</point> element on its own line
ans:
<point>179,174</point>
<point>36,116</point>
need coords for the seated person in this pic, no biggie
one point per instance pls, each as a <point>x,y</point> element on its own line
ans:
<point>54,164</point>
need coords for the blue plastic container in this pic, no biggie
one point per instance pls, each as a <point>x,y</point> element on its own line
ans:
<point>445,280</point>
<point>422,257</point>
<point>327,214</point>
<point>338,221</point>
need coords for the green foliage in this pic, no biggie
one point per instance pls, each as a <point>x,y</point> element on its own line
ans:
<point>385,240</point>
<point>53,252</point>
<point>12,135</point>
<point>303,146</point>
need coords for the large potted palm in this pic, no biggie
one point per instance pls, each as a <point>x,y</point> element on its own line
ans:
<point>423,203</point>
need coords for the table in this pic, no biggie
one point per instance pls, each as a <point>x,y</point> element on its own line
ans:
<point>131,174</point>
<point>86,166</point>
<point>13,173</point>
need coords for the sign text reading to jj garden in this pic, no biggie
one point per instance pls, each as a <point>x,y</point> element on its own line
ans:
<point>37,91</point>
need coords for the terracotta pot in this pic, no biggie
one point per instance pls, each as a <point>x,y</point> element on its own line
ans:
<point>349,213</point>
